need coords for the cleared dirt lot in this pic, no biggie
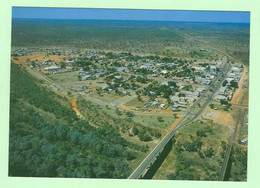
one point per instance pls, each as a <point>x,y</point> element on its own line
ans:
<point>220,117</point>
<point>239,92</point>
<point>22,59</point>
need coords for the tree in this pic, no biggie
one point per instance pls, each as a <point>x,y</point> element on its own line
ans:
<point>223,102</point>
<point>226,108</point>
<point>201,133</point>
<point>172,83</point>
<point>224,83</point>
<point>209,152</point>
<point>171,176</point>
<point>129,114</point>
<point>223,145</point>
<point>200,154</point>
<point>33,64</point>
<point>129,156</point>
<point>118,112</point>
<point>139,97</point>
<point>144,137</point>
<point>62,65</point>
<point>234,84</point>
<point>69,93</point>
<point>135,130</point>
<point>160,119</point>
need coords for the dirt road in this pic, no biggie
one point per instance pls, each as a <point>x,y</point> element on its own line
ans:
<point>239,92</point>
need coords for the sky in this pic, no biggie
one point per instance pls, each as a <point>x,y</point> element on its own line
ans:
<point>131,14</point>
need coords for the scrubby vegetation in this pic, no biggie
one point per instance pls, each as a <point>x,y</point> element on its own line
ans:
<point>238,164</point>
<point>97,116</point>
<point>197,158</point>
<point>135,37</point>
<point>60,145</point>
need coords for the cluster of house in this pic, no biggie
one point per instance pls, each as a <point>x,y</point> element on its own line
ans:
<point>200,75</point>
<point>204,75</point>
<point>151,67</point>
<point>61,51</point>
<point>120,69</point>
<point>186,98</point>
<point>81,89</point>
<point>73,56</point>
<point>181,100</point>
<point>117,83</point>
<point>156,103</point>
<point>22,51</point>
<point>50,65</point>
<point>226,92</point>
<point>92,74</point>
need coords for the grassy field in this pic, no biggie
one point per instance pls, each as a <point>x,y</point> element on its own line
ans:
<point>219,106</point>
<point>145,120</point>
<point>106,97</point>
<point>135,102</point>
<point>64,77</point>
<point>111,111</point>
<point>217,131</point>
<point>152,121</point>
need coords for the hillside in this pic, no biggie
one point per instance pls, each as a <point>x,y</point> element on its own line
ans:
<point>48,140</point>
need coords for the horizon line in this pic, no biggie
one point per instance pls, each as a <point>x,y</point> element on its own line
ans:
<point>89,19</point>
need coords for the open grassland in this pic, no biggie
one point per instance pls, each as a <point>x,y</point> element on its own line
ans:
<point>155,121</point>
<point>135,103</point>
<point>111,98</point>
<point>64,77</point>
<point>161,122</point>
<point>210,128</point>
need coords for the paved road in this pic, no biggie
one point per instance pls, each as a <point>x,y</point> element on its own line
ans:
<point>159,147</point>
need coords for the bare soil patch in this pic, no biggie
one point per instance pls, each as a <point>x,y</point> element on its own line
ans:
<point>22,59</point>
<point>175,123</point>
<point>224,118</point>
<point>239,92</point>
